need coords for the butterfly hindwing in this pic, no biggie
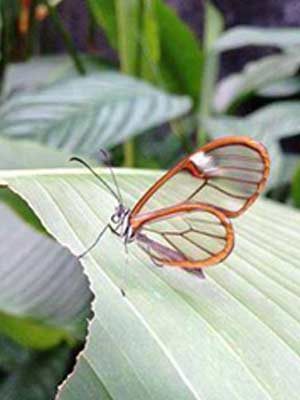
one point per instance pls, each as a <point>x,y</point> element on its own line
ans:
<point>189,236</point>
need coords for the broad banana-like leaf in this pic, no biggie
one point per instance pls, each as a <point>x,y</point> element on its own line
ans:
<point>240,36</point>
<point>84,113</point>
<point>47,69</point>
<point>44,296</point>
<point>25,154</point>
<point>282,88</point>
<point>233,335</point>
<point>255,77</point>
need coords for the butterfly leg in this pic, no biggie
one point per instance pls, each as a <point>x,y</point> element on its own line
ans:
<point>155,262</point>
<point>96,241</point>
<point>148,252</point>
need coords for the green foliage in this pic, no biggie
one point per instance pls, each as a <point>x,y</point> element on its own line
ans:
<point>150,43</point>
<point>31,374</point>
<point>182,73</point>
<point>33,312</point>
<point>213,26</point>
<point>229,328</point>
<point>20,207</point>
<point>172,336</point>
<point>30,333</point>
<point>254,78</point>
<point>104,12</point>
<point>296,187</point>
<point>268,125</point>
<point>284,38</point>
<point>162,34</point>
<point>83,114</point>
<point>273,78</point>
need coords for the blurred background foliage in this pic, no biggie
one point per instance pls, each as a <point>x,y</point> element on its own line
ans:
<point>198,71</point>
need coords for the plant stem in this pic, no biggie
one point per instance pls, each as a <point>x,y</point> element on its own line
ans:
<point>67,38</point>
<point>32,30</point>
<point>213,26</point>
<point>128,21</point>
<point>4,43</point>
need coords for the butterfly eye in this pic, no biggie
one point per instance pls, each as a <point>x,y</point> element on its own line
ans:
<point>115,218</point>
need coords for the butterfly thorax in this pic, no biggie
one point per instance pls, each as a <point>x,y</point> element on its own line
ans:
<point>121,224</point>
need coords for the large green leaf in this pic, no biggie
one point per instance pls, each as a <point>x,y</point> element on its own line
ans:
<point>252,36</point>
<point>234,335</point>
<point>47,69</point>
<point>25,154</point>
<point>81,114</point>
<point>255,77</point>
<point>268,125</point>
<point>282,88</point>
<point>44,297</point>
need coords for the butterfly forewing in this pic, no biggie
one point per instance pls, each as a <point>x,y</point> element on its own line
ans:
<point>182,220</point>
<point>228,174</point>
<point>189,236</point>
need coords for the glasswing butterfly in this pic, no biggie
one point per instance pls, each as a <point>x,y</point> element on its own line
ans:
<point>184,219</point>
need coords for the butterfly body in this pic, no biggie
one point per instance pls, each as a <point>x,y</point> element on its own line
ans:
<point>211,186</point>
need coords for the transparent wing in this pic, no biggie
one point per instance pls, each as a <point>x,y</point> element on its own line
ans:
<point>227,173</point>
<point>189,236</point>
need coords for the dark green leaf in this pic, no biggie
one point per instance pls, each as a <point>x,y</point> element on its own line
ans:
<point>105,15</point>
<point>296,187</point>
<point>181,69</point>
<point>32,375</point>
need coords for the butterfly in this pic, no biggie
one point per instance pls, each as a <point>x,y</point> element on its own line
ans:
<point>184,219</point>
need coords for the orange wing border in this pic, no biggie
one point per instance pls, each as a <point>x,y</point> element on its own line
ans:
<point>218,143</point>
<point>188,207</point>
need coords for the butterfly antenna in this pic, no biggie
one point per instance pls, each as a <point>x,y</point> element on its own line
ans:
<point>79,160</point>
<point>107,160</point>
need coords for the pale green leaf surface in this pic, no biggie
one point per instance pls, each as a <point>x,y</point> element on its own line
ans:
<point>233,336</point>
<point>255,76</point>
<point>85,113</point>
<point>267,125</point>
<point>47,69</point>
<point>252,36</point>
<point>282,88</point>
<point>20,76</point>
<point>25,154</point>
<point>44,297</point>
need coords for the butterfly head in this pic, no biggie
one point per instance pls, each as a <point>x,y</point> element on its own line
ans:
<point>120,214</point>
